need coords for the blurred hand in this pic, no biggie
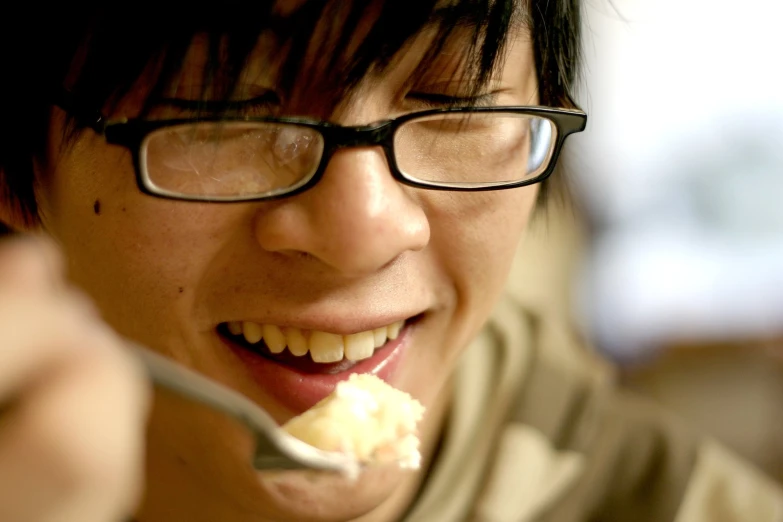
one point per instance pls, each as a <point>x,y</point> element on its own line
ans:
<point>72,404</point>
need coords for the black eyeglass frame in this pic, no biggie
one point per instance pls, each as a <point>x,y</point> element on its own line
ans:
<point>130,133</point>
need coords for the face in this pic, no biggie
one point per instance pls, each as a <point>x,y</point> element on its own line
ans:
<point>356,253</point>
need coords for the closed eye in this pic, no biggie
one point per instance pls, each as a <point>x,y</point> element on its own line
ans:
<point>265,102</point>
<point>440,100</point>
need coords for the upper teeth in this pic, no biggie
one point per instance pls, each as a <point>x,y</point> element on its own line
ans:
<point>323,347</point>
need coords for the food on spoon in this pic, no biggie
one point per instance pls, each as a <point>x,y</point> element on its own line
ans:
<point>366,419</point>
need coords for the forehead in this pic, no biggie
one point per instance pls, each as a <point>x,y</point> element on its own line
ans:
<point>332,44</point>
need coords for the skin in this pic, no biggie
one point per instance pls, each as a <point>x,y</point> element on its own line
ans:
<point>358,244</point>
<point>58,459</point>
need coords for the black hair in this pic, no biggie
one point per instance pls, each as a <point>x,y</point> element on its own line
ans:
<point>100,53</point>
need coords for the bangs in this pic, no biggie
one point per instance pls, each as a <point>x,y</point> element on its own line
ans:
<point>107,53</point>
<point>323,47</point>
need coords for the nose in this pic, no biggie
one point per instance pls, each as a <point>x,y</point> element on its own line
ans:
<point>356,219</point>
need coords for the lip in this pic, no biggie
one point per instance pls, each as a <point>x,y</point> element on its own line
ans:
<point>298,391</point>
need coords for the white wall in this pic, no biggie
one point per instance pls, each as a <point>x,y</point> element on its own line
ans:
<point>681,169</point>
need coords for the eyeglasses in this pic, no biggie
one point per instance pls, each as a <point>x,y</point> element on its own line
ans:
<point>250,159</point>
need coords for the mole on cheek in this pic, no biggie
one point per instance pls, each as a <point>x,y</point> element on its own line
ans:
<point>97,207</point>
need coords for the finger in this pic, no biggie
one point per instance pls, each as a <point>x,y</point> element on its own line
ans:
<point>30,264</point>
<point>72,448</point>
<point>37,334</point>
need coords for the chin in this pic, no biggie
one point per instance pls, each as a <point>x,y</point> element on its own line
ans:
<point>317,496</point>
<point>199,469</point>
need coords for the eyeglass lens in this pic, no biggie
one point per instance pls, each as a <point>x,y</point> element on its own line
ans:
<point>475,148</point>
<point>242,159</point>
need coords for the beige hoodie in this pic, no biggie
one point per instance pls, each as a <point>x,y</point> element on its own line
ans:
<point>538,431</point>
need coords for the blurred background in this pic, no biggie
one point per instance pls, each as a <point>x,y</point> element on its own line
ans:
<point>673,261</point>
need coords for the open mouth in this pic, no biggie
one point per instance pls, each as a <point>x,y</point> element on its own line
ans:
<point>312,351</point>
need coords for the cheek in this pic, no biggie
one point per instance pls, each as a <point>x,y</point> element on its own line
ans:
<point>131,252</point>
<point>475,236</point>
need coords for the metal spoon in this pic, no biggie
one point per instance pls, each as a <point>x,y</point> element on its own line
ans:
<point>274,449</point>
